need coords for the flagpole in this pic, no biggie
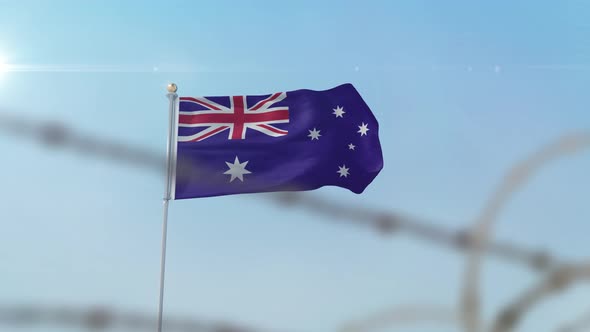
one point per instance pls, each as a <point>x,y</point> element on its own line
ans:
<point>170,163</point>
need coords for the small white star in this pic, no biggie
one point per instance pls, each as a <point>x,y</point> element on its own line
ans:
<point>351,146</point>
<point>363,129</point>
<point>314,134</point>
<point>339,111</point>
<point>237,170</point>
<point>343,171</point>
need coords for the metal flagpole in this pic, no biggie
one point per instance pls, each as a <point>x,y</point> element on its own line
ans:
<point>170,165</point>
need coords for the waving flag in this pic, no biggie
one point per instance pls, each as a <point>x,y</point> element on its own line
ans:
<point>286,141</point>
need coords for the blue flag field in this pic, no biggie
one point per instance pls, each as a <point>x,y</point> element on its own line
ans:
<point>289,141</point>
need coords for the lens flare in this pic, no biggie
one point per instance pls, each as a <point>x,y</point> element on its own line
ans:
<point>3,67</point>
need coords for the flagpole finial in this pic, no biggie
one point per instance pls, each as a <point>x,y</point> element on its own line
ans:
<point>172,88</point>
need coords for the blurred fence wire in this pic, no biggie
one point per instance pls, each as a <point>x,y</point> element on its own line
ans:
<point>103,318</point>
<point>555,282</point>
<point>515,179</point>
<point>556,274</point>
<point>59,135</point>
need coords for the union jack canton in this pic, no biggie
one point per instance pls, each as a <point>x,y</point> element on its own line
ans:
<point>216,118</point>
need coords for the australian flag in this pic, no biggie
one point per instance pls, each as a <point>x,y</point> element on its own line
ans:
<point>286,141</point>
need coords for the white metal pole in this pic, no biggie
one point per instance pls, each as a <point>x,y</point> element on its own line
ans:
<point>172,97</point>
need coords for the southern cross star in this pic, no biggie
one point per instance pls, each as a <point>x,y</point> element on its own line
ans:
<point>343,171</point>
<point>314,134</point>
<point>351,146</point>
<point>339,111</point>
<point>237,170</point>
<point>363,129</point>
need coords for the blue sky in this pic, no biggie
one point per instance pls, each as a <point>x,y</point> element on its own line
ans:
<point>462,90</point>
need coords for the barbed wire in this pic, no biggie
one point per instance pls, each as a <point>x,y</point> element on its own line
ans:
<point>56,134</point>
<point>516,177</point>
<point>474,241</point>
<point>557,281</point>
<point>105,318</point>
<point>388,223</point>
<point>561,274</point>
